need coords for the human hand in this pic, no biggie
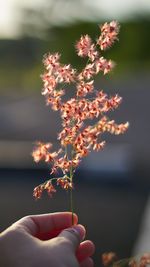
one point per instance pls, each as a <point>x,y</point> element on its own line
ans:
<point>47,240</point>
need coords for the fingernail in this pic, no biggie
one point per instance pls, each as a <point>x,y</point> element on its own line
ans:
<point>80,230</point>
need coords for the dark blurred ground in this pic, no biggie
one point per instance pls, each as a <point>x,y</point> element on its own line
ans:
<point>111,209</point>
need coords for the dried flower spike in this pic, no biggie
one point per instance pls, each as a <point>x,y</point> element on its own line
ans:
<point>78,137</point>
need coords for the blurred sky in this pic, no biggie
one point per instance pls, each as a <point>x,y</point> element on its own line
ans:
<point>10,11</point>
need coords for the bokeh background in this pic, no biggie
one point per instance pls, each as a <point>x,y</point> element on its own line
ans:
<point>112,187</point>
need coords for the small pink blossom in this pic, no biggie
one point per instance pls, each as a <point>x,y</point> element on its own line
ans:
<point>65,183</point>
<point>54,102</point>
<point>51,62</point>
<point>104,65</point>
<point>88,72</point>
<point>40,152</point>
<point>83,45</point>
<point>92,53</point>
<point>49,188</point>
<point>49,84</point>
<point>37,193</point>
<point>83,88</point>
<point>65,74</point>
<point>109,33</point>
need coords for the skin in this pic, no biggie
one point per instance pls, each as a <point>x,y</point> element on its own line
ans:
<point>47,240</point>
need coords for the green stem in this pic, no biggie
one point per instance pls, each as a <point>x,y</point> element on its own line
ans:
<point>71,205</point>
<point>71,195</point>
<point>71,180</point>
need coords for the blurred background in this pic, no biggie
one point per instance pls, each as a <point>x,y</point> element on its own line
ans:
<point>112,187</point>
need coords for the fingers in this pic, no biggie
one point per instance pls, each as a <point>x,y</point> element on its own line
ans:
<point>85,249</point>
<point>73,236</point>
<point>45,223</point>
<point>87,263</point>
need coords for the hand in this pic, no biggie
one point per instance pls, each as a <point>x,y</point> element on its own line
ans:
<point>45,240</point>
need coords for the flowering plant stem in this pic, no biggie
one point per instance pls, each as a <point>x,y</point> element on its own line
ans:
<point>79,135</point>
<point>71,191</point>
<point>71,203</point>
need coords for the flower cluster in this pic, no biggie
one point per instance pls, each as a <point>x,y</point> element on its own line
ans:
<point>110,259</point>
<point>109,33</point>
<point>78,136</point>
<point>50,189</point>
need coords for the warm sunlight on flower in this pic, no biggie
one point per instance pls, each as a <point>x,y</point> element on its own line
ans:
<point>79,136</point>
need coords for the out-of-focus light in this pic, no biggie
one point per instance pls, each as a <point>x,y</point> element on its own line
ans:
<point>120,10</point>
<point>10,11</point>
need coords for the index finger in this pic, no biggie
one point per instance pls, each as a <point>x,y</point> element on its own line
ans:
<point>45,224</point>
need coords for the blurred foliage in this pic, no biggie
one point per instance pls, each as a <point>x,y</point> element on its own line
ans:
<point>20,64</point>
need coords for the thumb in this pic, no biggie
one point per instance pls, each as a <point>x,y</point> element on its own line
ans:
<point>74,235</point>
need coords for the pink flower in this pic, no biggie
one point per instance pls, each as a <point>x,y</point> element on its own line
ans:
<point>104,65</point>
<point>83,45</point>
<point>40,152</point>
<point>55,102</point>
<point>49,188</point>
<point>109,33</point>
<point>65,74</point>
<point>92,53</point>
<point>51,62</point>
<point>64,183</point>
<point>49,83</point>
<point>88,72</point>
<point>37,192</point>
<point>84,88</point>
